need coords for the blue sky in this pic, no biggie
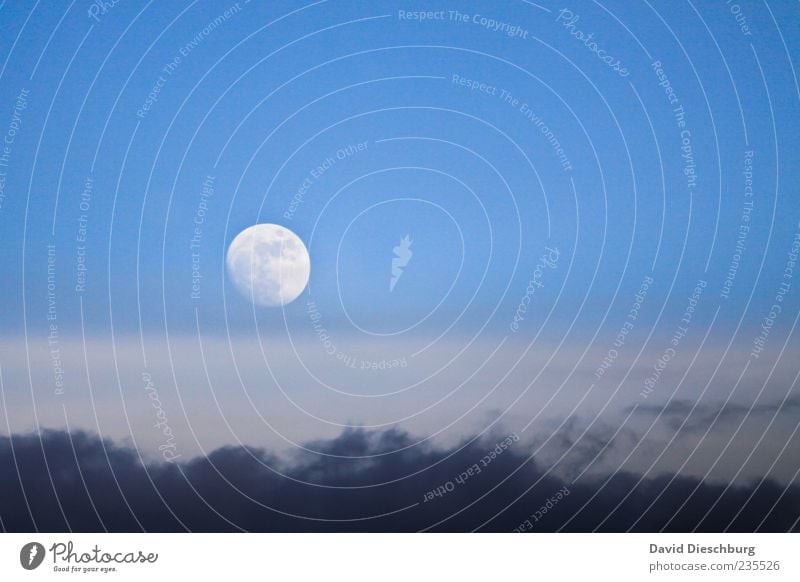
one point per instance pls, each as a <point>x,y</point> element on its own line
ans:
<point>221,94</point>
<point>264,94</point>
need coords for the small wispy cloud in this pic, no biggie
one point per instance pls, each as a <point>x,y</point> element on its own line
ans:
<point>690,416</point>
<point>402,256</point>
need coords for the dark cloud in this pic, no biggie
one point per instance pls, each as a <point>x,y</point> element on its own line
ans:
<point>586,445</point>
<point>691,416</point>
<point>60,481</point>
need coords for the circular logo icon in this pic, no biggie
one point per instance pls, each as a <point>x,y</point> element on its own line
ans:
<point>31,555</point>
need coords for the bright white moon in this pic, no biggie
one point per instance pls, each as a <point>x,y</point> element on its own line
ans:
<point>269,264</point>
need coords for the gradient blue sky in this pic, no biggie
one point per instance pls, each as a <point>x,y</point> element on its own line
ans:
<point>238,86</point>
<point>276,88</point>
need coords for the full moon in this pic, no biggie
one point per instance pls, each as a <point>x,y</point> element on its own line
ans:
<point>269,264</point>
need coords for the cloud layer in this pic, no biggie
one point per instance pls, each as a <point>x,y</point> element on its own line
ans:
<point>60,481</point>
